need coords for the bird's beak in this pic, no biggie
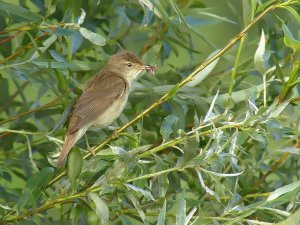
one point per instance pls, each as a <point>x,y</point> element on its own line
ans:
<point>149,68</point>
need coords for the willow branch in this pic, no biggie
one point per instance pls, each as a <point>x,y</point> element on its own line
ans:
<point>171,93</point>
<point>48,105</point>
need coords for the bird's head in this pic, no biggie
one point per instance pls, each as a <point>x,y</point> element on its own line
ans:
<point>128,65</point>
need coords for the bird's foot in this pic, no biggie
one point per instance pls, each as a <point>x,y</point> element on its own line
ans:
<point>116,132</point>
<point>91,150</point>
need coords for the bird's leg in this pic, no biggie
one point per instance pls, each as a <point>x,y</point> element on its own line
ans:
<point>114,129</point>
<point>91,149</point>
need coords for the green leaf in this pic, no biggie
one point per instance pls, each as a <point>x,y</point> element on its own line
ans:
<point>200,76</point>
<point>215,16</point>
<point>293,12</point>
<point>260,51</point>
<point>246,11</point>
<point>34,186</point>
<point>94,38</point>
<point>50,8</point>
<point>145,193</point>
<point>190,149</point>
<point>157,9</point>
<point>181,210</point>
<point>289,39</point>
<point>63,117</point>
<point>178,12</point>
<point>163,181</point>
<point>275,111</point>
<point>74,166</point>
<point>222,174</point>
<point>34,43</point>
<point>47,43</point>
<point>82,17</point>
<point>167,126</point>
<point>283,190</point>
<point>265,5</point>
<point>210,115</point>
<point>293,219</point>
<point>291,150</point>
<point>136,204</point>
<point>5,207</point>
<point>241,95</point>
<point>101,208</point>
<point>18,12</point>
<point>162,214</point>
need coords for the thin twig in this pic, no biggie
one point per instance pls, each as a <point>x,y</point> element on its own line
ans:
<point>28,46</point>
<point>48,105</point>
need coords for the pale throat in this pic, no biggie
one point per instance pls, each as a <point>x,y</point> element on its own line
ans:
<point>132,75</point>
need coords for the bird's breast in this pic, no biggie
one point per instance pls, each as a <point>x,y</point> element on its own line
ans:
<point>113,112</point>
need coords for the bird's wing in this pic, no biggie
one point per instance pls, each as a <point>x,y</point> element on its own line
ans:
<point>95,100</point>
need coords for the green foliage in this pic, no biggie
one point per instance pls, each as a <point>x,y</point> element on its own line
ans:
<point>211,138</point>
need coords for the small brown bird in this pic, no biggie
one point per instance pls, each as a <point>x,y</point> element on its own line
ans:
<point>103,98</point>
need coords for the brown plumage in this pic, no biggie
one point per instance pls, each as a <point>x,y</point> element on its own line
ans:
<point>104,98</point>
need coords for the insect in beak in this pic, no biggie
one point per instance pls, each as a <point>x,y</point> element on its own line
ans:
<point>149,68</point>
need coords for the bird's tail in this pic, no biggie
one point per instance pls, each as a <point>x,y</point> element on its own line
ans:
<point>69,143</point>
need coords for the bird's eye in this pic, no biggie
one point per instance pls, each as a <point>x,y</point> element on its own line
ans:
<point>129,65</point>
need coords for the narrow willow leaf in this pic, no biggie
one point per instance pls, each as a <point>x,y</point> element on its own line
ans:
<point>209,115</point>
<point>289,39</point>
<point>207,189</point>
<point>181,210</point>
<point>222,174</point>
<point>265,5</point>
<point>172,91</point>
<point>82,17</point>
<point>283,190</point>
<point>120,152</point>
<point>151,7</point>
<point>136,204</point>
<point>94,38</point>
<point>2,206</point>
<point>34,186</point>
<point>178,12</point>
<point>145,193</point>
<point>34,43</point>
<point>63,117</point>
<point>125,220</point>
<point>101,208</point>
<point>291,150</point>
<point>241,95</point>
<point>167,126</point>
<point>260,51</point>
<point>74,166</point>
<point>199,77</point>
<point>19,12</point>
<point>231,150</point>
<point>50,8</point>
<point>293,219</point>
<point>162,214</point>
<point>246,11</point>
<point>277,110</point>
<point>293,12</point>
<point>76,41</point>
<point>163,181</point>
<point>47,43</point>
<point>190,150</point>
<point>190,216</point>
<point>33,164</point>
<point>215,16</point>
